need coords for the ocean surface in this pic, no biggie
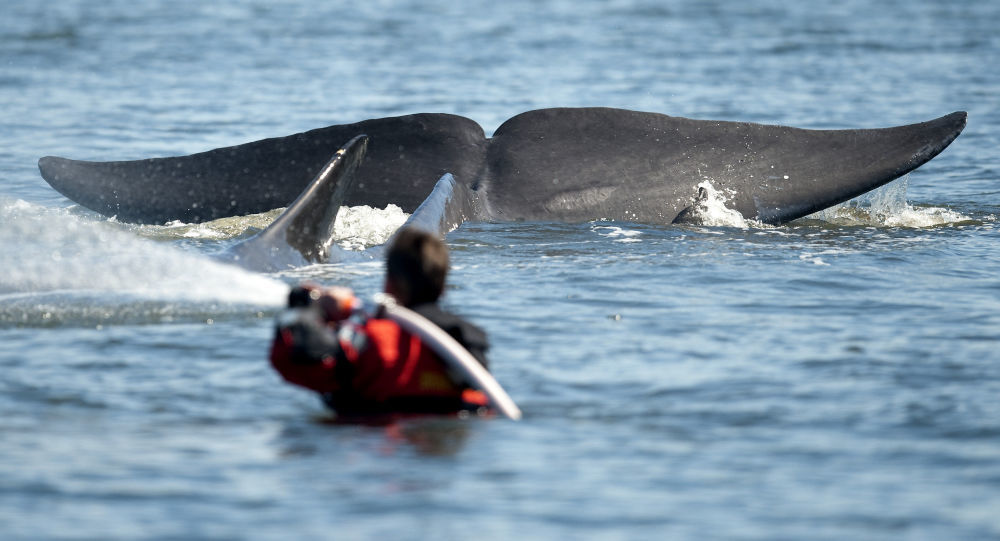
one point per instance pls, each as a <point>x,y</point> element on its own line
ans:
<point>830,379</point>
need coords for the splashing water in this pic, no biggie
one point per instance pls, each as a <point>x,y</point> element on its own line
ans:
<point>887,206</point>
<point>712,211</point>
<point>361,227</point>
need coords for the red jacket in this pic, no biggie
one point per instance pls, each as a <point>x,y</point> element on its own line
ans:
<point>367,365</point>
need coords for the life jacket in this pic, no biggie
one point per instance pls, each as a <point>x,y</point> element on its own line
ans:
<point>369,365</point>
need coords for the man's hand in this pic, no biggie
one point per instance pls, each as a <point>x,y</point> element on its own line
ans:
<point>337,303</point>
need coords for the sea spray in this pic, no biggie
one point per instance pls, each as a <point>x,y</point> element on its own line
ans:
<point>54,254</point>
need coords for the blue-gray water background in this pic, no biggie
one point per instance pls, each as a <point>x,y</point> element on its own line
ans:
<point>828,379</point>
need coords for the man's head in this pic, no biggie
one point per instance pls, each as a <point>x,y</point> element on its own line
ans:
<point>416,267</point>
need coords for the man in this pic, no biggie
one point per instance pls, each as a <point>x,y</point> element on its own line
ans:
<point>364,365</point>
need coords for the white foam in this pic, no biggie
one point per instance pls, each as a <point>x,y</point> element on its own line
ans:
<point>714,211</point>
<point>711,210</point>
<point>361,227</point>
<point>619,234</point>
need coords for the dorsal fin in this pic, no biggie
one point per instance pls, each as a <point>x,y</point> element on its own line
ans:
<point>303,233</point>
<point>448,206</point>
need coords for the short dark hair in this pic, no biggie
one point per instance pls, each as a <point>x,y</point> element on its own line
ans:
<point>417,263</point>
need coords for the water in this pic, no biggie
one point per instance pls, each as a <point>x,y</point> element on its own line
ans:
<point>834,378</point>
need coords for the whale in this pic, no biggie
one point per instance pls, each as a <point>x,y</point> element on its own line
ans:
<point>557,164</point>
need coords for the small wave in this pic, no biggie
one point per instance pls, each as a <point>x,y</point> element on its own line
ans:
<point>813,258</point>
